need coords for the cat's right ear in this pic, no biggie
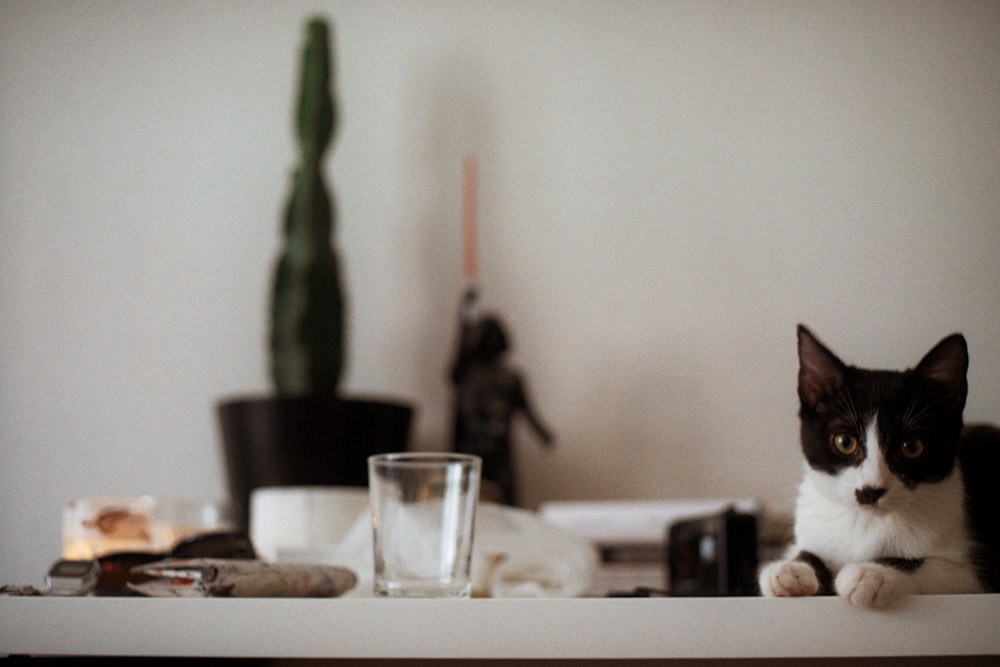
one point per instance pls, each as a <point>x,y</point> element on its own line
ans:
<point>821,373</point>
<point>947,364</point>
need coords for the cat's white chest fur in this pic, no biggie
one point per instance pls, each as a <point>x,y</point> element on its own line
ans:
<point>920,523</point>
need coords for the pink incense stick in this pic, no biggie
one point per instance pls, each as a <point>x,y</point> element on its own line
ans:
<point>470,248</point>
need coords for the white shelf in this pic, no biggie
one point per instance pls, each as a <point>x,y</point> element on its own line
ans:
<point>495,628</point>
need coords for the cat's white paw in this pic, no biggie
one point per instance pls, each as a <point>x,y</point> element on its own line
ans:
<point>788,578</point>
<point>870,584</point>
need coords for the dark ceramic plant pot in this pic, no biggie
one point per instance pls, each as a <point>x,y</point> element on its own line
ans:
<point>305,441</point>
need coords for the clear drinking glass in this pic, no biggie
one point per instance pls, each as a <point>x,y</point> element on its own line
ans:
<point>423,518</point>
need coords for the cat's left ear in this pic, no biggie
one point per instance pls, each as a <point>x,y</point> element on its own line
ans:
<point>947,364</point>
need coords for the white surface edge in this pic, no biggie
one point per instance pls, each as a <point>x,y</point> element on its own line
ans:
<point>494,628</point>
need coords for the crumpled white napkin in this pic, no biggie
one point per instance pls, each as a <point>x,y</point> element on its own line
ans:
<point>515,554</point>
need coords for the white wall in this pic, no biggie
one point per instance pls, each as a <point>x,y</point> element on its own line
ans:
<point>667,188</point>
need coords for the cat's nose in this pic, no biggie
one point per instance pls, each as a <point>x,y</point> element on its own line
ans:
<point>868,495</point>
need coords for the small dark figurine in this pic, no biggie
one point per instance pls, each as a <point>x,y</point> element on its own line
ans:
<point>487,396</point>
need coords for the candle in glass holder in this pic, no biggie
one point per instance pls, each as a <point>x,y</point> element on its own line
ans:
<point>92,527</point>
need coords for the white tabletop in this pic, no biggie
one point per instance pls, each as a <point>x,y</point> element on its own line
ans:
<point>498,628</point>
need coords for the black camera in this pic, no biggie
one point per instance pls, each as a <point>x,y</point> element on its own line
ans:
<point>714,555</point>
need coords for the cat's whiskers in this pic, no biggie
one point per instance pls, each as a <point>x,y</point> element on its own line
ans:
<point>914,416</point>
<point>844,403</point>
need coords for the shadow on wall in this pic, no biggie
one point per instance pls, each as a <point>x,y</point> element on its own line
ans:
<point>674,419</point>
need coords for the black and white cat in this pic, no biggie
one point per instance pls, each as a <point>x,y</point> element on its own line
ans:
<point>898,497</point>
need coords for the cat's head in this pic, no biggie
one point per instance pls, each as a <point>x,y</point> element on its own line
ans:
<point>879,435</point>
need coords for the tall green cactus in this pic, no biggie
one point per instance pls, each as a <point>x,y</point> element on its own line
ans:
<point>307,309</point>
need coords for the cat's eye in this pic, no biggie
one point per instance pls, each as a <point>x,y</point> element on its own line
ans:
<point>912,449</point>
<point>844,444</point>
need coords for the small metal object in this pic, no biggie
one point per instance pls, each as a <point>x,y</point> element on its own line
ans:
<point>72,577</point>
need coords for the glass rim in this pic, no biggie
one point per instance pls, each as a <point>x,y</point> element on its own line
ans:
<point>423,458</point>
